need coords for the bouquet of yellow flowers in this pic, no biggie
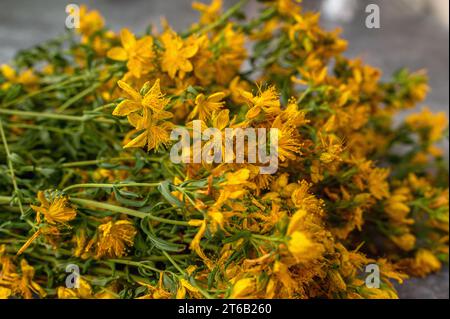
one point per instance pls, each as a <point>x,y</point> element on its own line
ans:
<point>89,180</point>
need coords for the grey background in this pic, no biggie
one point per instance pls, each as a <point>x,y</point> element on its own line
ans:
<point>407,38</point>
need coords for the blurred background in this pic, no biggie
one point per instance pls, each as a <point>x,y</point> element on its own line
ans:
<point>413,34</point>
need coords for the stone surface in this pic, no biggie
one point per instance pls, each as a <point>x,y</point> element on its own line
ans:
<point>415,40</point>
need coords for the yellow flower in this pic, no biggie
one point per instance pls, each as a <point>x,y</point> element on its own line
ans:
<point>302,199</point>
<point>156,292</point>
<point>57,211</point>
<point>296,221</point>
<point>155,130</point>
<point>234,186</point>
<point>267,101</point>
<point>26,78</point>
<point>316,172</point>
<point>177,53</point>
<point>293,115</point>
<point>90,21</point>
<point>114,238</point>
<point>426,262</point>
<point>137,53</point>
<point>396,206</point>
<point>102,43</point>
<point>13,283</point>
<point>430,126</point>
<point>406,241</point>
<point>209,13</point>
<point>288,7</point>
<point>84,291</point>
<point>217,219</point>
<point>80,243</point>
<point>153,99</point>
<point>302,248</point>
<point>332,147</point>
<point>147,115</point>
<point>378,185</point>
<point>243,288</point>
<point>204,107</point>
<point>313,77</point>
<point>288,143</point>
<point>236,178</point>
<point>236,87</point>
<point>266,31</point>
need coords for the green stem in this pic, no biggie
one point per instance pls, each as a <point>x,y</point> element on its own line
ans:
<point>98,185</point>
<point>38,127</point>
<point>127,211</point>
<point>305,94</point>
<point>78,96</point>
<point>81,163</point>
<point>11,168</point>
<point>102,107</point>
<point>174,263</point>
<point>46,89</point>
<point>122,274</point>
<point>5,199</point>
<point>134,264</point>
<point>95,162</point>
<point>55,116</point>
<point>272,239</point>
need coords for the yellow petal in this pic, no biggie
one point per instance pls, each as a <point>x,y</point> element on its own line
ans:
<point>185,66</point>
<point>243,287</point>
<point>296,221</point>
<point>135,67</point>
<point>134,118</point>
<point>253,112</point>
<point>139,141</point>
<point>8,72</point>
<point>188,285</point>
<point>135,95</point>
<point>190,51</point>
<point>42,199</point>
<point>128,39</point>
<point>247,95</point>
<point>117,54</point>
<point>126,107</point>
<point>144,47</point>
<point>238,177</point>
<point>222,119</point>
<point>200,98</point>
<point>181,292</point>
<point>216,97</point>
<point>196,222</point>
<point>152,97</point>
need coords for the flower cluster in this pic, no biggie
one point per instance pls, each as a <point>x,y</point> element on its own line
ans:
<point>87,131</point>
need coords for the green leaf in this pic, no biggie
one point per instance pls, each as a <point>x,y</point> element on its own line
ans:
<point>158,242</point>
<point>120,196</point>
<point>165,189</point>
